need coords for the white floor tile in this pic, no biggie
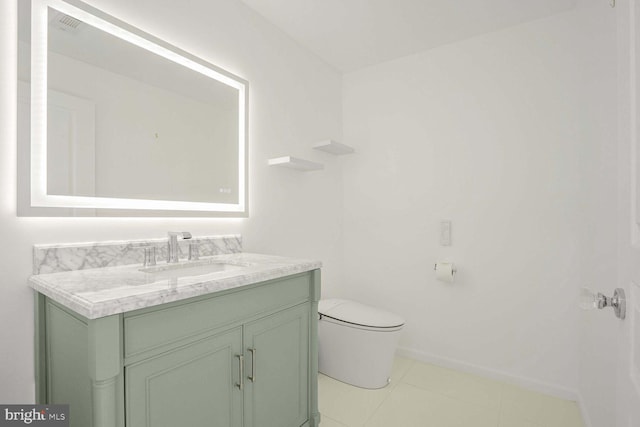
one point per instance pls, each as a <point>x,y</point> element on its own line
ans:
<point>538,408</point>
<point>424,395</point>
<point>512,420</point>
<point>467,414</point>
<point>328,422</point>
<point>407,406</point>
<point>563,414</point>
<point>348,404</point>
<point>458,385</point>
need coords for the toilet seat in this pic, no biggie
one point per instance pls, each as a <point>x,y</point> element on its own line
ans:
<point>359,316</point>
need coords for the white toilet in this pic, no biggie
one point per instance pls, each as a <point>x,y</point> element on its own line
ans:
<point>356,342</point>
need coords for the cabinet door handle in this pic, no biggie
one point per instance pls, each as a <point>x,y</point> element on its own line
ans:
<point>252,377</point>
<point>240,357</point>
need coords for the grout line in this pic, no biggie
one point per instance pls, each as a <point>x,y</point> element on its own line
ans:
<point>400,380</point>
<point>392,388</point>
<point>501,405</point>
<point>335,421</point>
<point>373,412</point>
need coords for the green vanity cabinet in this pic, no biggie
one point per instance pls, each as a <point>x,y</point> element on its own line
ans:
<point>278,377</point>
<point>243,357</point>
<point>193,385</point>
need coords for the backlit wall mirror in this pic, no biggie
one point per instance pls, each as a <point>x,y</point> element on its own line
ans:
<point>118,122</point>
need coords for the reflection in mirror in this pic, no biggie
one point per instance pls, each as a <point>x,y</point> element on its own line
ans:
<point>120,120</point>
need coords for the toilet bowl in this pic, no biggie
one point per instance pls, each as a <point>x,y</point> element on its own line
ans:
<point>356,342</point>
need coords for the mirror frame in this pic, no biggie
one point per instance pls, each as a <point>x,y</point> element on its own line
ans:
<point>38,115</point>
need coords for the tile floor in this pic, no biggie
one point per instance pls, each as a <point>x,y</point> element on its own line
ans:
<point>423,395</point>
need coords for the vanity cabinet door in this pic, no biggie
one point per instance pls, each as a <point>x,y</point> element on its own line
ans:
<point>194,385</point>
<point>277,369</point>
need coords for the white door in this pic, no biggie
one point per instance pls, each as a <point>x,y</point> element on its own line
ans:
<point>628,389</point>
<point>628,381</point>
<point>70,148</point>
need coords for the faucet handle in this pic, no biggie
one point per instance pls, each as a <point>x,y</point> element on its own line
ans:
<point>149,256</point>
<point>194,251</point>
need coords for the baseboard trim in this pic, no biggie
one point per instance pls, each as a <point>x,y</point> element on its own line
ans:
<point>524,382</point>
<point>583,411</point>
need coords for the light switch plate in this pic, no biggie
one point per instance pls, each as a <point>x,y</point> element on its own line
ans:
<point>445,233</point>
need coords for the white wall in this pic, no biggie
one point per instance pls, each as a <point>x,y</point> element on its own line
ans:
<point>510,136</point>
<point>295,100</point>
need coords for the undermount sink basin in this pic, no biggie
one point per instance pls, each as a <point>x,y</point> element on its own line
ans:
<point>170,271</point>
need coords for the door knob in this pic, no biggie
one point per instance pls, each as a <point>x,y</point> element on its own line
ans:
<point>589,300</point>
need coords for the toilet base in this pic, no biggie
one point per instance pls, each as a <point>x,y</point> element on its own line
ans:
<point>362,358</point>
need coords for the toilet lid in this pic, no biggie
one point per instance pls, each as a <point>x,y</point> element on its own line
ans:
<point>358,314</point>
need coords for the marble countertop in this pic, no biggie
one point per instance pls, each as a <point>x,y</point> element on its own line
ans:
<point>101,292</point>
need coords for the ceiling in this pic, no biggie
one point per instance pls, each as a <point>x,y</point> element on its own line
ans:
<point>352,34</point>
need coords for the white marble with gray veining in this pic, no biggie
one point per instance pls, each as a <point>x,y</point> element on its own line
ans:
<point>81,256</point>
<point>99,292</point>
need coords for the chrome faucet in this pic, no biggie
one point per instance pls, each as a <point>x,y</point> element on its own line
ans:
<point>173,255</point>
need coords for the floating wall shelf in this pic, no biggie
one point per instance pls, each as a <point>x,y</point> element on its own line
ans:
<point>333,147</point>
<point>295,163</point>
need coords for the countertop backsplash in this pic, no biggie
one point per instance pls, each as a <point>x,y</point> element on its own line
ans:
<point>53,258</point>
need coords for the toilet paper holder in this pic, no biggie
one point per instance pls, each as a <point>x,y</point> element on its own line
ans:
<point>435,267</point>
<point>445,271</point>
<point>589,300</point>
